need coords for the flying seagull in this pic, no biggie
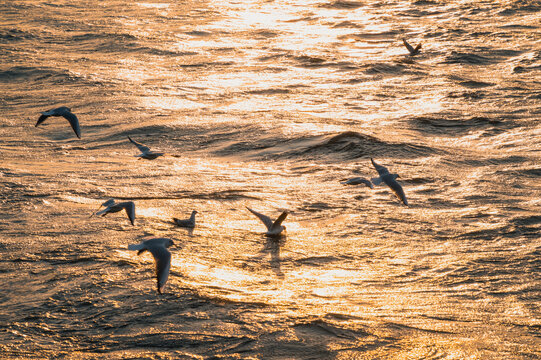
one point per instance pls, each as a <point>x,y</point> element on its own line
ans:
<point>274,228</point>
<point>162,256</point>
<point>412,51</point>
<point>389,180</point>
<point>187,223</point>
<point>66,113</point>
<point>146,153</point>
<point>358,181</point>
<point>112,207</point>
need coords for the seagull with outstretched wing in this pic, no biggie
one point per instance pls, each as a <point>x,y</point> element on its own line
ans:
<point>112,207</point>
<point>411,49</point>
<point>158,248</point>
<point>64,112</point>
<point>146,153</point>
<point>390,180</point>
<point>274,228</point>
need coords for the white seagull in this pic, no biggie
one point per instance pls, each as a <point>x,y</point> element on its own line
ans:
<point>187,223</point>
<point>66,113</point>
<point>274,228</point>
<point>389,180</point>
<point>162,256</point>
<point>146,153</point>
<point>358,181</point>
<point>112,207</point>
<point>412,51</point>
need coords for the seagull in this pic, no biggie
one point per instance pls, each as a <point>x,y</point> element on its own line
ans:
<point>358,181</point>
<point>187,223</point>
<point>389,180</point>
<point>112,207</point>
<point>162,256</point>
<point>146,153</point>
<point>273,228</point>
<point>66,113</point>
<point>413,51</point>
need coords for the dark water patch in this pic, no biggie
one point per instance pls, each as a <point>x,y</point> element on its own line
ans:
<point>468,95</point>
<point>466,58</point>
<point>321,328</point>
<point>308,61</point>
<point>450,127</point>
<point>265,34</point>
<point>384,36</point>
<point>396,327</point>
<point>317,260</point>
<point>198,33</point>
<point>16,35</point>
<point>343,5</point>
<point>38,74</point>
<point>523,69</point>
<point>517,7</point>
<point>475,84</point>
<point>384,68</point>
<point>206,64</point>
<point>348,25</point>
<point>425,3</point>
<point>272,91</point>
<point>316,207</point>
<point>518,26</point>
<point>531,173</point>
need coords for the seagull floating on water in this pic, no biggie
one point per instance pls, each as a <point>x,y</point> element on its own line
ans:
<point>187,223</point>
<point>274,228</point>
<point>412,51</point>
<point>358,181</point>
<point>389,180</point>
<point>66,113</point>
<point>146,153</point>
<point>112,207</point>
<point>158,248</point>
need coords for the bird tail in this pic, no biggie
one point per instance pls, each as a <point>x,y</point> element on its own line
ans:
<point>376,181</point>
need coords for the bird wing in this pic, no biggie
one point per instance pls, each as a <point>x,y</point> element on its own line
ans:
<point>103,212</point>
<point>280,219</point>
<point>408,46</point>
<point>382,170</point>
<point>42,118</point>
<point>264,218</point>
<point>162,256</point>
<point>108,202</point>
<point>74,122</point>
<point>359,180</point>
<point>129,206</point>
<point>417,48</point>
<point>397,189</point>
<point>144,149</point>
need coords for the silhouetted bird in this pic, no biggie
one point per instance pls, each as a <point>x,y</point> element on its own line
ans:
<point>162,257</point>
<point>389,180</point>
<point>64,112</point>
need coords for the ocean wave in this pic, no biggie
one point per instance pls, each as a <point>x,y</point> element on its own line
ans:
<point>25,74</point>
<point>347,145</point>
<point>452,126</point>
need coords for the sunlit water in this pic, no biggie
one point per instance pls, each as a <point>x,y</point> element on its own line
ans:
<point>270,104</point>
